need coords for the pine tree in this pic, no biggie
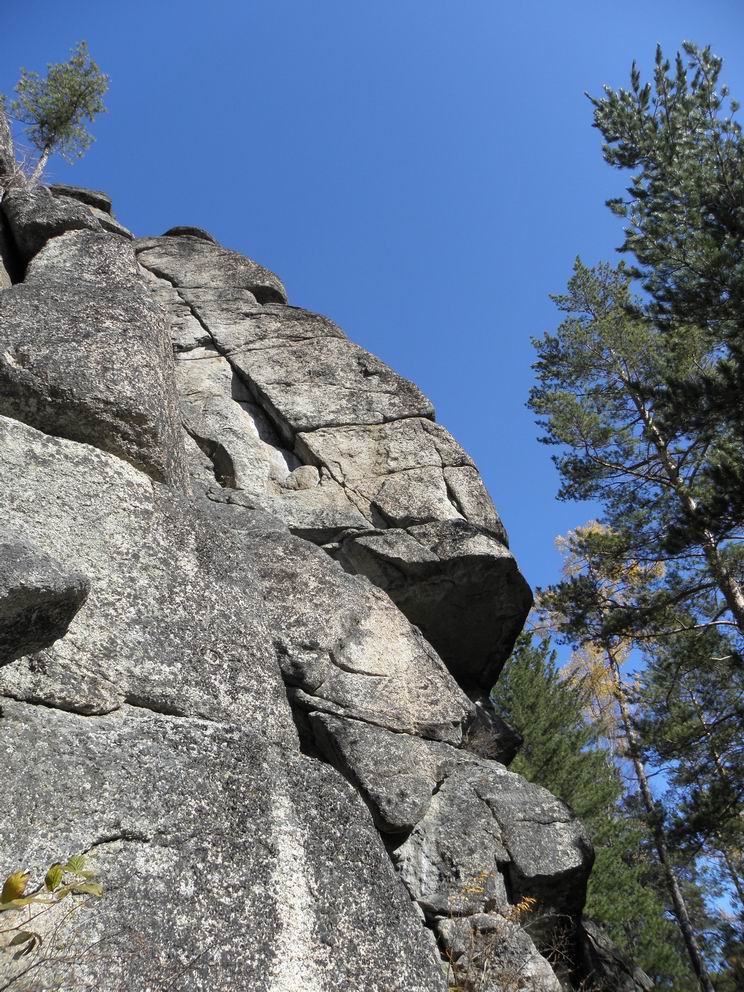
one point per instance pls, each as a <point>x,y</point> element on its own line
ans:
<point>685,231</point>
<point>54,109</point>
<point>597,399</point>
<point>583,620</point>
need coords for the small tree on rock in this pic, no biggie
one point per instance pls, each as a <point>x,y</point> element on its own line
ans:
<point>55,109</point>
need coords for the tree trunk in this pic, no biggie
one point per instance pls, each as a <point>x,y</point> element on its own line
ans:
<point>40,165</point>
<point>7,157</point>
<point>657,829</point>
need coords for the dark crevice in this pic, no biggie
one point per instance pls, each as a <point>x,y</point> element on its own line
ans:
<point>81,711</point>
<point>127,836</point>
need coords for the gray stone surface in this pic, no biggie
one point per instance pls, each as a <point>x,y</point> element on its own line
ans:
<point>397,499</point>
<point>169,593</point>
<point>485,822</point>
<point>184,230</point>
<point>455,581</point>
<point>35,215</point>
<point>344,648</point>
<point>38,598</point>
<point>109,223</point>
<point>478,837</point>
<point>602,966</point>
<point>489,953</point>
<point>91,197</point>
<point>85,354</point>
<point>396,773</point>
<point>195,263</point>
<point>403,473</point>
<point>245,454</point>
<point>227,863</point>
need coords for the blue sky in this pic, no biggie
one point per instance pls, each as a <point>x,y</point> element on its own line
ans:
<point>422,172</point>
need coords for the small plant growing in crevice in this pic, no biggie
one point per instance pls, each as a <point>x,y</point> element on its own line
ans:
<point>32,919</point>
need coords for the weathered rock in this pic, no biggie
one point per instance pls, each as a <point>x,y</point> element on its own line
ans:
<point>314,382</point>
<point>455,581</point>
<point>488,953</point>
<point>402,473</point>
<point>490,830</point>
<point>185,231</point>
<point>85,354</point>
<point>479,837</point>
<point>111,224</point>
<point>38,598</point>
<point>35,215</point>
<point>181,713</point>
<point>91,197</point>
<point>343,647</point>
<point>195,263</point>
<point>256,869</point>
<point>169,595</point>
<point>245,453</point>
<point>395,773</point>
<point>604,968</point>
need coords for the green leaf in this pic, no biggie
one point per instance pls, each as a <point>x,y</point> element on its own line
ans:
<point>23,936</point>
<point>54,876</point>
<point>76,864</point>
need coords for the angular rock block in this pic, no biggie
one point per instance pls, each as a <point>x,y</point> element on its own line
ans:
<point>246,458</point>
<point>194,262</point>
<point>458,584</point>
<point>35,216</point>
<point>38,598</point>
<point>185,231</point>
<point>85,354</point>
<point>478,837</point>
<point>404,473</point>
<point>344,649</point>
<point>90,197</point>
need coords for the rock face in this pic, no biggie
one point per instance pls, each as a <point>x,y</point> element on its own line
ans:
<point>252,597</point>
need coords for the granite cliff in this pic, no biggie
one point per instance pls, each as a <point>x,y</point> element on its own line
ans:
<point>252,599</point>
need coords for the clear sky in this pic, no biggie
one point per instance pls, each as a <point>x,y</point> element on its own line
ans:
<point>421,171</point>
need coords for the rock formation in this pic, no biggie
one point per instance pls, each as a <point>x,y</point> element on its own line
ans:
<point>252,600</point>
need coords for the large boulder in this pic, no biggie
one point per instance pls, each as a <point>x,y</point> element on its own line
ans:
<point>90,197</point>
<point>490,953</point>
<point>195,262</point>
<point>35,215</point>
<point>477,837</point>
<point>85,354</point>
<point>457,582</point>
